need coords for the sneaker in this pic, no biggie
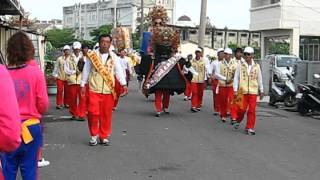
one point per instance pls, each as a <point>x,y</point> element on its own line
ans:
<point>43,163</point>
<point>236,125</point>
<point>104,142</point>
<point>158,114</point>
<point>66,106</point>
<point>59,107</point>
<point>194,110</point>
<point>73,118</point>
<point>198,109</point>
<point>250,132</point>
<point>223,120</point>
<point>189,98</point>
<point>166,111</point>
<point>185,98</point>
<point>232,121</point>
<point>93,141</point>
<point>114,109</point>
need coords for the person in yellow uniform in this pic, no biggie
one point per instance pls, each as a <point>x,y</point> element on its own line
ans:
<point>225,74</point>
<point>100,71</point>
<point>198,81</point>
<point>59,74</point>
<point>248,83</point>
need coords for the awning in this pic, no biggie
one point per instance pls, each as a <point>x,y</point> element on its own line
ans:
<point>11,7</point>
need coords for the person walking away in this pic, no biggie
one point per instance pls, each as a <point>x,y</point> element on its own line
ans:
<point>31,93</point>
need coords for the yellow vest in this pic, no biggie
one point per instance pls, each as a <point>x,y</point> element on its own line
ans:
<point>200,67</point>
<point>249,83</point>
<point>61,73</point>
<point>96,83</point>
<point>74,78</point>
<point>228,72</point>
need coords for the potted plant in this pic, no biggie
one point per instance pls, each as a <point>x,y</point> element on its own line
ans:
<point>51,55</point>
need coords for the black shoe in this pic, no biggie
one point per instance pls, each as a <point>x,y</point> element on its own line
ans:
<point>66,106</point>
<point>194,110</point>
<point>104,142</point>
<point>236,125</point>
<point>158,114</point>
<point>73,118</point>
<point>216,113</point>
<point>223,120</point>
<point>250,132</point>
<point>81,119</point>
<point>232,122</point>
<point>59,107</point>
<point>198,109</point>
<point>166,111</point>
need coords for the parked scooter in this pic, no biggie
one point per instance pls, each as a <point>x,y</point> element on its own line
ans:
<point>283,92</point>
<point>309,97</point>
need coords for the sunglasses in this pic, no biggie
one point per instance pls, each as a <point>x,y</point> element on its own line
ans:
<point>247,54</point>
<point>156,23</point>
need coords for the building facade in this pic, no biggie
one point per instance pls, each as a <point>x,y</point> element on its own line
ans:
<point>295,22</point>
<point>86,17</point>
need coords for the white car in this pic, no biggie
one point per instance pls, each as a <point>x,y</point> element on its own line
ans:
<point>281,65</point>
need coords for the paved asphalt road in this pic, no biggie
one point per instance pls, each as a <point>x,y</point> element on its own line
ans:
<point>183,145</point>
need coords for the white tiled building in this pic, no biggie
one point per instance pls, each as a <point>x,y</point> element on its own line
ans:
<point>86,17</point>
<point>293,21</point>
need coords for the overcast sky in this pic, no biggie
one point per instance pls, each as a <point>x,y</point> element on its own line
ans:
<point>230,13</point>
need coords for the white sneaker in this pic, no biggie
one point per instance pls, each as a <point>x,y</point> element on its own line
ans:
<point>185,98</point>
<point>93,141</point>
<point>250,132</point>
<point>43,163</point>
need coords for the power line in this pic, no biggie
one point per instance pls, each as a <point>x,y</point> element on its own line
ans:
<point>311,8</point>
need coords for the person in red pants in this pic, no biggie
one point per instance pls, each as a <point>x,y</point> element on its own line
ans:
<point>198,81</point>
<point>215,82</point>
<point>248,83</point>
<point>187,92</point>
<point>225,73</point>
<point>59,74</point>
<point>100,71</point>
<point>73,77</point>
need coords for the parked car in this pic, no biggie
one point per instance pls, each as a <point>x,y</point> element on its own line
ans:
<point>281,65</point>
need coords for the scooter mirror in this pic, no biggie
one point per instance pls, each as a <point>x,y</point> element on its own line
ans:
<point>316,76</point>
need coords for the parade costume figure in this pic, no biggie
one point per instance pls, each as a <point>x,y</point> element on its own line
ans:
<point>215,82</point>
<point>100,71</point>
<point>225,73</point>
<point>248,84</point>
<point>31,93</point>
<point>59,74</point>
<point>198,83</point>
<point>73,77</point>
<point>164,75</point>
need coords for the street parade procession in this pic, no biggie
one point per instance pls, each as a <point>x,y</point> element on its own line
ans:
<point>157,112</point>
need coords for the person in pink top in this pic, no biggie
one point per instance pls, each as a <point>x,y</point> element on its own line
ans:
<point>31,93</point>
<point>10,129</point>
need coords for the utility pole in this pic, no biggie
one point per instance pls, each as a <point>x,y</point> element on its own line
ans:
<point>115,14</point>
<point>203,23</point>
<point>142,19</point>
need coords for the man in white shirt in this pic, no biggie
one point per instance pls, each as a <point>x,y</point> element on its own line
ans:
<point>215,82</point>
<point>248,82</point>
<point>100,71</point>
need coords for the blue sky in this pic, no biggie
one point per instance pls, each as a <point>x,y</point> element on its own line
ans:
<point>230,13</point>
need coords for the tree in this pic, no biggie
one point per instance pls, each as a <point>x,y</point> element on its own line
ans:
<point>104,29</point>
<point>25,21</point>
<point>60,37</point>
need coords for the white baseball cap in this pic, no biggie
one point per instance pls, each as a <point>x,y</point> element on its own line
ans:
<point>228,51</point>
<point>220,50</point>
<point>66,47</point>
<point>198,49</point>
<point>76,45</point>
<point>248,50</point>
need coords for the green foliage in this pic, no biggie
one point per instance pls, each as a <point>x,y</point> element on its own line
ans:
<point>135,40</point>
<point>104,29</point>
<point>279,48</point>
<point>60,37</point>
<point>88,43</point>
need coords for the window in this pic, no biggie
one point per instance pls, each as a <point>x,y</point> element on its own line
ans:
<point>219,33</point>
<point>232,34</point>
<point>244,35</point>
